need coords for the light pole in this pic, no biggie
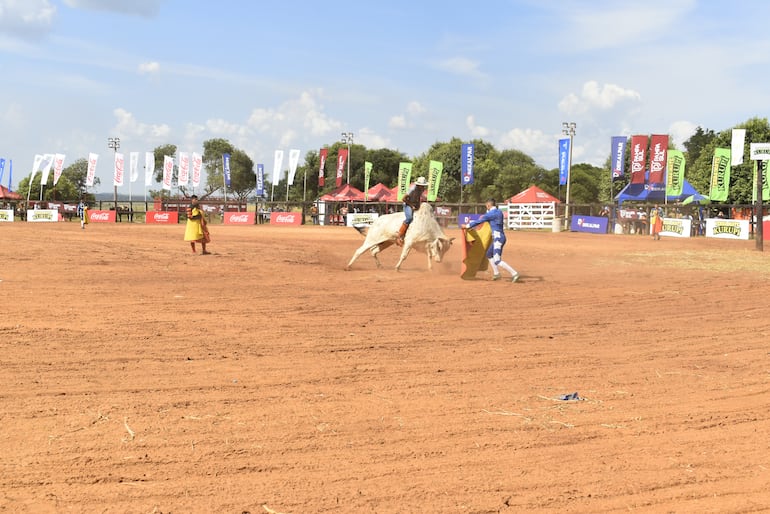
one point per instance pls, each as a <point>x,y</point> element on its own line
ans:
<point>114,143</point>
<point>347,138</point>
<point>568,129</point>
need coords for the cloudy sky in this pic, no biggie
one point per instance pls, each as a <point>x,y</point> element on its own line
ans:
<point>398,74</point>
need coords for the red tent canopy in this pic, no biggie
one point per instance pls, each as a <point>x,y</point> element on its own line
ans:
<point>7,194</point>
<point>382,193</point>
<point>344,193</point>
<point>533,194</point>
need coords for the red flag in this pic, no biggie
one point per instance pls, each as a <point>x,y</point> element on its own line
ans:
<point>638,158</point>
<point>658,158</point>
<point>322,157</point>
<point>342,156</point>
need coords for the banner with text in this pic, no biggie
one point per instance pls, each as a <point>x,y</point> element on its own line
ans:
<point>765,182</point>
<point>226,168</point>
<point>168,171</point>
<point>658,155</point>
<point>260,180</point>
<point>434,179</point>
<point>277,165</point>
<point>675,174</point>
<point>133,166</point>
<point>342,157</point>
<point>404,178</point>
<point>184,169</point>
<point>117,177</point>
<point>367,177</point>
<point>720,175</point>
<point>197,166</point>
<point>91,170</point>
<point>58,167</point>
<point>467,161</point>
<point>149,168</point>
<point>293,162</point>
<point>638,158</point>
<point>564,163</point>
<point>322,155</point>
<point>618,159</point>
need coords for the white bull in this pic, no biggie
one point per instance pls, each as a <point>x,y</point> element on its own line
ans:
<point>424,234</point>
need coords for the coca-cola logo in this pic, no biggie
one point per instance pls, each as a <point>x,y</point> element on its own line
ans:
<point>162,216</point>
<point>285,218</point>
<point>239,218</point>
<point>100,216</point>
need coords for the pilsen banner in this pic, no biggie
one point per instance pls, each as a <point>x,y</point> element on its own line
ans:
<point>92,158</point>
<point>404,178</point>
<point>638,158</point>
<point>720,175</point>
<point>675,175</point>
<point>260,180</point>
<point>434,179</point>
<point>658,154</point>
<point>342,157</point>
<point>618,159</point>
<point>466,159</point>
<point>563,160</point>
<point>322,166</point>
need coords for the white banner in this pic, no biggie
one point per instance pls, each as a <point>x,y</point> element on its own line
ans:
<point>92,158</point>
<point>676,227</point>
<point>293,161</point>
<point>58,167</point>
<point>117,177</point>
<point>197,164</point>
<point>133,159</point>
<point>277,163</point>
<point>36,165</point>
<point>149,168</point>
<point>727,229</point>
<point>6,215</point>
<point>168,172</point>
<point>184,169</point>
<point>42,215</point>
<point>736,147</point>
<point>45,167</point>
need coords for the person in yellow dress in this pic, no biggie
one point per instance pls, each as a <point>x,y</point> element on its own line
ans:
<point>196,230</point>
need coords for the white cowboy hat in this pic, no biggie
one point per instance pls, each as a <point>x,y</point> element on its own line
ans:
<point>421,181</point>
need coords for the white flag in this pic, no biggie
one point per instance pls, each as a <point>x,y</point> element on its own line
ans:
<point>58,167</point>
<point>184,169</point>
<point>117,177</point>
<point>738,142</point>
<point>92,158</point>
<point>36,166</point>
<point>168,171</point>
<point>277,163</point>
<point>149,168</point>
<point>293,161</point>
<point>197,164</point>
<point>45,167</point>
<point>133,166</point>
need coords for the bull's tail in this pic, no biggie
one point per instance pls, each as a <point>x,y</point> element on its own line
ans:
<point>362,229</point>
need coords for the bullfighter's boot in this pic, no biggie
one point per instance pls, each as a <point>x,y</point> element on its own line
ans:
<point>401,233</point>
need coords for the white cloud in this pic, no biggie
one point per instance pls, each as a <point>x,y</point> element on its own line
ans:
<point>305,111</point>
<point>476,130</point>
<point>151,67</point>
<point>530,141</point>
<point>414,108</point>
<point>397,122</point>
<point>147,8</point>
<point>28,19</point>
<point>681,131</point>
<point>371,139</point>
<point>128,127</point>
<point>461,66</point>
<point>594,96</point>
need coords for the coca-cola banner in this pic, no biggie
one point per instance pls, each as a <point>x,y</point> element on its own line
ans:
<point>286,218</point>
<point>101,216</point>
<point>240,218</point>
<point>162,217</point>
<point>638,158</point>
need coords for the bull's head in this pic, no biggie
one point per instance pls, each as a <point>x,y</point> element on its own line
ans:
<point>439,247</point>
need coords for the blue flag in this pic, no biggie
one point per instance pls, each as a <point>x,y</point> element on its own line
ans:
<point>226,168</point>
<point>260,180</point>
<point>563,160</point>
<point>618,156</point>
<point>2,169</point>
<point>466,157</point>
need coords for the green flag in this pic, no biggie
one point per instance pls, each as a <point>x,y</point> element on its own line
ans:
<point>434,179</point>
<point>675,173</point>
<point>765,183</point>
<point>404,177</point>
<point>367,176</point>
<point>720,175</point>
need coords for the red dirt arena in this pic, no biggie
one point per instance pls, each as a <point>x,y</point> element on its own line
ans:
<point>137,377</point>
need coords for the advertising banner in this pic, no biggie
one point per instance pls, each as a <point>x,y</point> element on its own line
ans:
<point>240,218</point>
<point>675,175</point>
<point>149,168</point>
<point>638,158</point>
<point>467,161</point>
<point>117,179</point>
<point>286,218</point>
<point>618,156</point>
<point>168,171</point>
<point>184,169</point>
<point>43,215</point>
<point>720,175</point>
<point>727,229</point>
<point>277,165</point>
<point>342,157</point>
<point>658,158</point>
<point>592,224</point>
<point>161,218</point>
<point>92,158</point>
<point>322,165</point>
<point>260,180</point>
<point>434,179</point>
<point>101,216</point>
<point>361,218</point>
<point>564,145</point>
<point>465,218</point>
<point>293,162</point>
<point>6,215</point>
<point>226,168</point>
<point>197,166</point>
<point>404,178</point>
<point>676,227</point>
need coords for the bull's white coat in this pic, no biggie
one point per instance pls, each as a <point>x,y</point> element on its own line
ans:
<point>424,234</point>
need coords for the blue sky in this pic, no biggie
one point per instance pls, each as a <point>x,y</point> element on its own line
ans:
<point>398,74</point>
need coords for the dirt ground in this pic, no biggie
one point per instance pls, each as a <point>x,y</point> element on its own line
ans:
<point>136,377</point>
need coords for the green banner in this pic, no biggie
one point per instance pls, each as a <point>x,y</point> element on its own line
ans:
<point>720,175</point>
<point>434,179</point>
<point>675,173</point>
<point>765,183</point>
<point>367,176</point>
<point>404,178</point>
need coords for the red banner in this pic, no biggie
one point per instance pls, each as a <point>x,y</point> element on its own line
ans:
<point>240,218</point>
<point>162,218</point>
<point>638,158</point>
<point>286,218</point>
<point>101,216</point>
<point>658,158</point>
<point>322,155</point>
<point>342,157</point>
